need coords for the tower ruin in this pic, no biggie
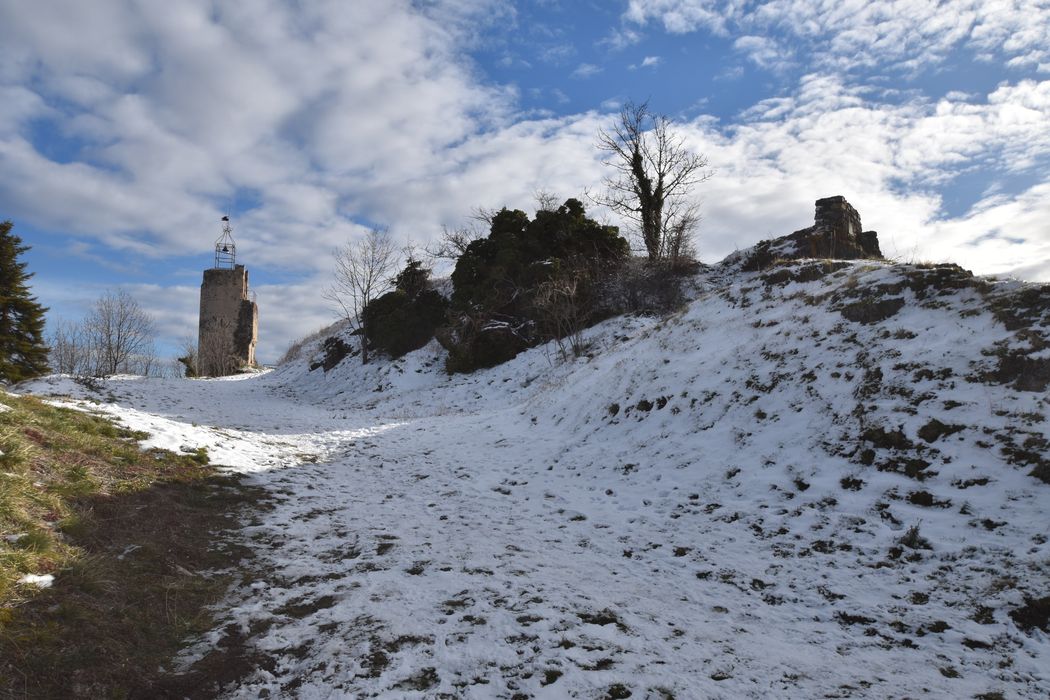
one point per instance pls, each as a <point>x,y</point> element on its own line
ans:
<point>229,317</point>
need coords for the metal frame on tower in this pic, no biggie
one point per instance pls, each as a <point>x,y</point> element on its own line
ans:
<point>225,249</point>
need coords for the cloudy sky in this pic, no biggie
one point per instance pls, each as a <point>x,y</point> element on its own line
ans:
<point>128,128</point>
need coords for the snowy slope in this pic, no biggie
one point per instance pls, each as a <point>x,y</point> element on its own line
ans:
<point>710,505</point>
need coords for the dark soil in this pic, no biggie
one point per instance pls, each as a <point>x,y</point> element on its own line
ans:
<point>1035,613</point>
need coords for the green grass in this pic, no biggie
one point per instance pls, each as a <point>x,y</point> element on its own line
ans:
<point>134,538</point>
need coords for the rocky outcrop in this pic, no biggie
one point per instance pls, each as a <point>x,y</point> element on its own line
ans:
<point>335,349</point>
<point>836,234</point>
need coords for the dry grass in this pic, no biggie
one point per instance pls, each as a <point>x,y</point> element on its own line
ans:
<point>134,539</point>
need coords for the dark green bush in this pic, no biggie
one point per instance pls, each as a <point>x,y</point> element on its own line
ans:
<point>398,323</point>
<point>413,279</point>
<point>405,319</point>
<point>502,284</point>
<point>484,340</point>
<point>498,273</point>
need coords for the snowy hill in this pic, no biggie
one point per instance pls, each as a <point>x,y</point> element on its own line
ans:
<point>828,478</point>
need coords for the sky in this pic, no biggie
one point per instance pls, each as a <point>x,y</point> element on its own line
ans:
<point>129,128</point>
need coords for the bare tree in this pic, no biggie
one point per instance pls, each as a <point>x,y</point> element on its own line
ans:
<point>483,216</point>
<point>545,200</point>
<point>118,332</point>
<point>654,174</point>
<point>145,364</point>
<point>69,349</point>
<point>215,356</point>
<point>362,272</point>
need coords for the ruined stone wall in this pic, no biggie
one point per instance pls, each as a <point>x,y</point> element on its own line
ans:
<point>836,234</point>
<point>229,322</point>
<point>837,215</point>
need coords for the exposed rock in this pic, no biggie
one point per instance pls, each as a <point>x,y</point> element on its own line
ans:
<point>939,279</point>
<point>1024,309</point>
<point>1023,362</point>
<point>872,310</point>
<point>1035,613</point>
<point>935,430</point>
<point>802,272</point>
<point>335,349</point>
<point>1024,372</point>
<point>886,439</point>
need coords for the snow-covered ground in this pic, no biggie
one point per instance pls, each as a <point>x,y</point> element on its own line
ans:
<point>710,505</point>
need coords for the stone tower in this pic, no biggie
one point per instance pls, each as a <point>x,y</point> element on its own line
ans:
<point>229,316</point>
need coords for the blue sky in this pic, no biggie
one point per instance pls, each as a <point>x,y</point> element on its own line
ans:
<point>128,128</point>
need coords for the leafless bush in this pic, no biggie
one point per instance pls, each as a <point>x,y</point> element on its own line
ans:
<point>297,347</point>
<point>146,365</point>
<point>294,351</point>
<point>641,286</point>
<point>677,247</point>
<point>563,312</point>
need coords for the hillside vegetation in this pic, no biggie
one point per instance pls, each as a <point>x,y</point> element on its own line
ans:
<point>102,551</point>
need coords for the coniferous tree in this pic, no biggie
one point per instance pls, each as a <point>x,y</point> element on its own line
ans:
<point>23,352</point>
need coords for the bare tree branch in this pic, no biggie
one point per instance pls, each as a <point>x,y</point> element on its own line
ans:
<point>453,242</point>
<point>546,201</point>
<point>69,349</point>
<point>363,269</point>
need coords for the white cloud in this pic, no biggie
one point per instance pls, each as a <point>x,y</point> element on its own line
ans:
<point>679,16</point>
<point>888,161</point>
<point>175,108</point>
<point>647,62</point>
<point>334,114</point>
<point>908,34</point>
<point>586,70</point>
<point>19,105</point>
<point>620,38</point>
<point>557,54</point>
<point>763,51</point>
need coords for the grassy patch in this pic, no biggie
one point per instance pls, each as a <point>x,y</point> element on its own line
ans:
<point>133,538</point>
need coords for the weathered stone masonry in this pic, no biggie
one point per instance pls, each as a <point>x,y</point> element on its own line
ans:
<point>229,322</point>
<point>836,234</point>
